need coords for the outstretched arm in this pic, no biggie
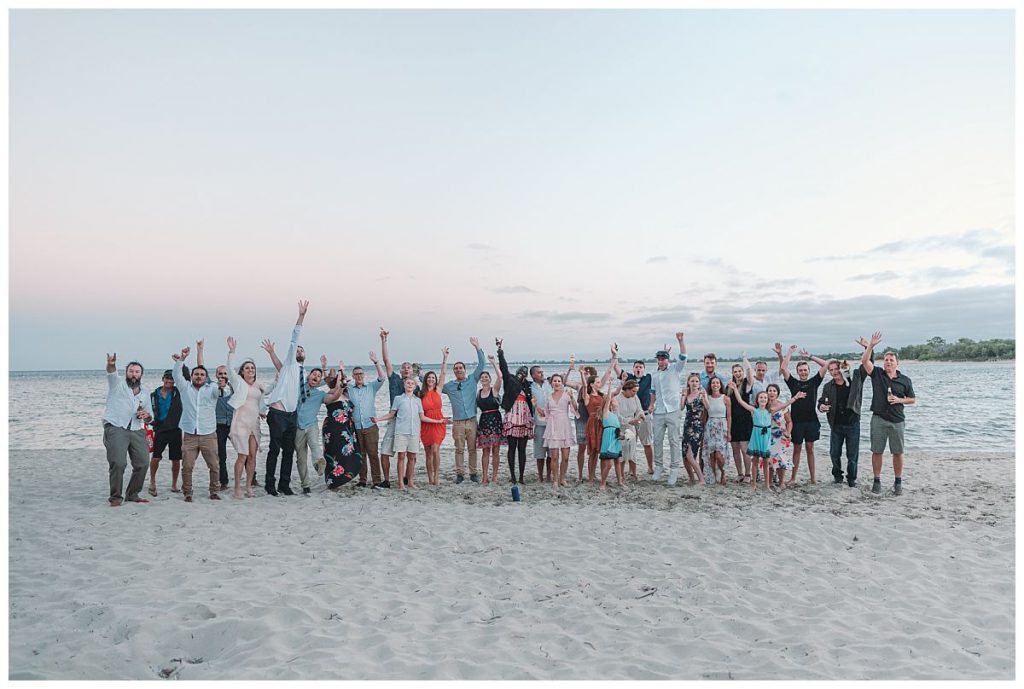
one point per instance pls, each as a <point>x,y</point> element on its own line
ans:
<point>376,365</point>
<point>199,353</point>
<point>444,368</point>
<point>784,364</point>
<point>822,364</point>
<point>502,364</point>
<point>268,347</point>
<point>112,363</point>
<point>867,359</point>
<point>739,397</point>
<point>481,365</point>
<point>388,368</point>
<point>497,374</point>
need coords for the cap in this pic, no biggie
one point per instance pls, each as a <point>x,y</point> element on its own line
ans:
<point>662,354</point>
<point>168,374</point>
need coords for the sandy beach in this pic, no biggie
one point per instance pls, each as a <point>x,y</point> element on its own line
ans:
<point>458,582</point>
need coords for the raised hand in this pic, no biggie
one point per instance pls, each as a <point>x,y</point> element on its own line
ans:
<point>498,342</point>
<point>177,356</point>
<point>680,335</point>
<point>876,338</point>
<point>199,344</point>
<point>184,352</point>
<point>267,346</point>
<point>667,348</point>
<point>112,359</point>
<point>383,334</point>
<point>862,342</point>
<point>572,361</point>
<point>615,350</point>
<point>805,353</point>
<point>323,361</point>
<point>743,354</point>
<point>490,357</point>
<point>473,341</point>
<point>792,348</point>
<point>303,305</point>
<point>444,352</point>
<point>341,366</point>
<point>800,395</point>
<point>777,348</point>
<point>373,358</point>
<point>231,344</point>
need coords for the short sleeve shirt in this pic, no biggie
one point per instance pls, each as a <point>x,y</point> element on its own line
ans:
<point>409,408</point>
<point>802,410</point>
<point>880,385</point>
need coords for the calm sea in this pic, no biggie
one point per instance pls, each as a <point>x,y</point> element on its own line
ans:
<point>966,407</point>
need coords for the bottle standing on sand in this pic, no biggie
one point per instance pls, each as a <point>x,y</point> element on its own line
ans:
<point>515,493</point>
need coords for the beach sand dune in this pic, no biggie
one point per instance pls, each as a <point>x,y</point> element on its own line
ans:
<point>458,582</point>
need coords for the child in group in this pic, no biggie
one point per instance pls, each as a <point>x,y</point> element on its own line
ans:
<point>611,444</point>
<point>408,408</point>
<point>769,441</point>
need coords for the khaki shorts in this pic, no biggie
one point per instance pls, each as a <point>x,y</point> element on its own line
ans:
<point>387,446</point>
<point>405,442</point>
<point>645,431</point>
<point>882,431</point>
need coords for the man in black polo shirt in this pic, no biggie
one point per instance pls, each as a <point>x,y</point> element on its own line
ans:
<point>645,431</point>
<point>840,402</point>
<point>806,427</point>
<point>890,392</point>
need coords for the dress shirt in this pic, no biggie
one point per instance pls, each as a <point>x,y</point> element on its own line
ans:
<point>198,406</point>
<point>287,389</point>
<point>666,386</point>
<point>462,394</point>
<point>123,403</point>
<point>364,402</point>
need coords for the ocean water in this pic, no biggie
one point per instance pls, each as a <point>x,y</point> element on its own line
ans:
<point>967,407</point>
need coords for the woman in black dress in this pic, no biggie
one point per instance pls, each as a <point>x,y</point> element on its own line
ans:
<point>488,428</point>
<point>742,422</point>
<point>341,448</point>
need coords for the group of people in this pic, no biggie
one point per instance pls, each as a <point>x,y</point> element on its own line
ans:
<point>606,418</point>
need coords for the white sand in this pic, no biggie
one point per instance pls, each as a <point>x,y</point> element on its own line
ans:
<point>458,582</point>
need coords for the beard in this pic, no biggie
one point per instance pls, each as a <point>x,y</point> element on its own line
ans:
<point>131,381</point>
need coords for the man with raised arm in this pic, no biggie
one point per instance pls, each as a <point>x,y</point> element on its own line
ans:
<point>395,389</point>
<point>198,420</point>
<point>128,408</point>
<point>666,383</point>
<point>806,426</point>
<point>225,412</point>
<point>364,405</point>
<point>462,396</point>
<point>284,400</point>
<point>891,391</point>
<point>759,376</point>
<point>307,436</point>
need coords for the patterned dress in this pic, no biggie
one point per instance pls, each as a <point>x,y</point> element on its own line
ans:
<point>714,435</point>
<point>488,428</point>
<point>341,449</point>
<point>781,446</point>
<point>518,420</point>
<point>693,427</point>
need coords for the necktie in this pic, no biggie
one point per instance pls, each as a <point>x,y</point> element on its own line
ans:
<point>302,384</point>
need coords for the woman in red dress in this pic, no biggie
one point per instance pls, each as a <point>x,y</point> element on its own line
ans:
<point>431,434</point>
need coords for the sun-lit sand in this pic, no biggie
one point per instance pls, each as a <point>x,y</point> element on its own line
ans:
<point>459,582</point>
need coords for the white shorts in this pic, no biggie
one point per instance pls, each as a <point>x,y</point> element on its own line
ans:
<point>405,442</point>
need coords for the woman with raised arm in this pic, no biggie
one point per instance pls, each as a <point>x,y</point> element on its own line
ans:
<point>692,402</point>
<point>560,432</point>
<point>593,402</point>
<point>718,417</point>
<point>759,446</point>
<point>517,401</point>
<point>488,427</point>
<point>245,424</point>
<point>432,434</point>
<point>782,430</point>
<point>741,426</point>
<point>342,455</point>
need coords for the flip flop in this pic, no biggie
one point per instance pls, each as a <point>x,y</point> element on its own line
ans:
<point>152,491</point>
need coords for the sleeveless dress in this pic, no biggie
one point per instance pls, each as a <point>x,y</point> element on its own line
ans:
<point>693,427</point>
<point>432,433</point>
<point>611,445</point>
<point>714,434</point>
<point>742,424</point>
<point>246,421</point>
<point>488,428</point>
<point>594,428</point>
<point>341,449</point>
<point>518,420</point>
<point>760,437</point>
<point>780,447</point>
<point>560,431</point>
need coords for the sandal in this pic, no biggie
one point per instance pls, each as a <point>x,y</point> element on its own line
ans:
<point>152,491</point>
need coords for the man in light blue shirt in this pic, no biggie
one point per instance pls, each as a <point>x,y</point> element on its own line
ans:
<point>541,390</point>
<point>364,404</point>
<point>462,395</point>
<point>710,362</point>
<point>666,384</point>
<point>198,421</point>
<point>307,436</point>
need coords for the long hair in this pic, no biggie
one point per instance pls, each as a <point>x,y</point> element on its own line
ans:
<point>247,361</point>
<point>426,377</point>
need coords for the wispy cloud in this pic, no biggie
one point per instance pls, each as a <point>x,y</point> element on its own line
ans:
<point>884,276</point>
<point>476,246</point>
<point>658,259</point>
<point>973,241</point>
<point>558,316</point>
<point>514,289</point>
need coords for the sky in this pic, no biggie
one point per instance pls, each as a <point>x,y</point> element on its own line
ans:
<point>563,179</point>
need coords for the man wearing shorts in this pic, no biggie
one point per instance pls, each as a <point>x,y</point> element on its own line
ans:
<point>644,430</point>
<point>395,388</point>
<point>891,391</point>
<point>166,401</point>
<point>806,427</point>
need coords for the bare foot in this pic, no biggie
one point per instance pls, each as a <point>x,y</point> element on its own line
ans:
<point>238,493</point>
<point>603,486</point>
<point>152,489</point>
<point>248,492</point>
<point>174,489</point>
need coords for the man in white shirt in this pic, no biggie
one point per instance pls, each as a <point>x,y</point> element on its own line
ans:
<point>666,383</point>
<point>541,390</point>
<point>128,408</point>
<point>198,421</point>
<point>284,400</point>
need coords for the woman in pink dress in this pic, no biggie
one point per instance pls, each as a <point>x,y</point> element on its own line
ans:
<point>245,424</point>
<point>560,433</point>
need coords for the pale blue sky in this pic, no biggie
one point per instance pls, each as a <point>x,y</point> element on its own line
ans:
<point>627,173</point>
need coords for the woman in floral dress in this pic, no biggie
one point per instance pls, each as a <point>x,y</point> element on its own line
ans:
<point>341,449</point>
<point>782,428</point>
<point>693,428</point>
